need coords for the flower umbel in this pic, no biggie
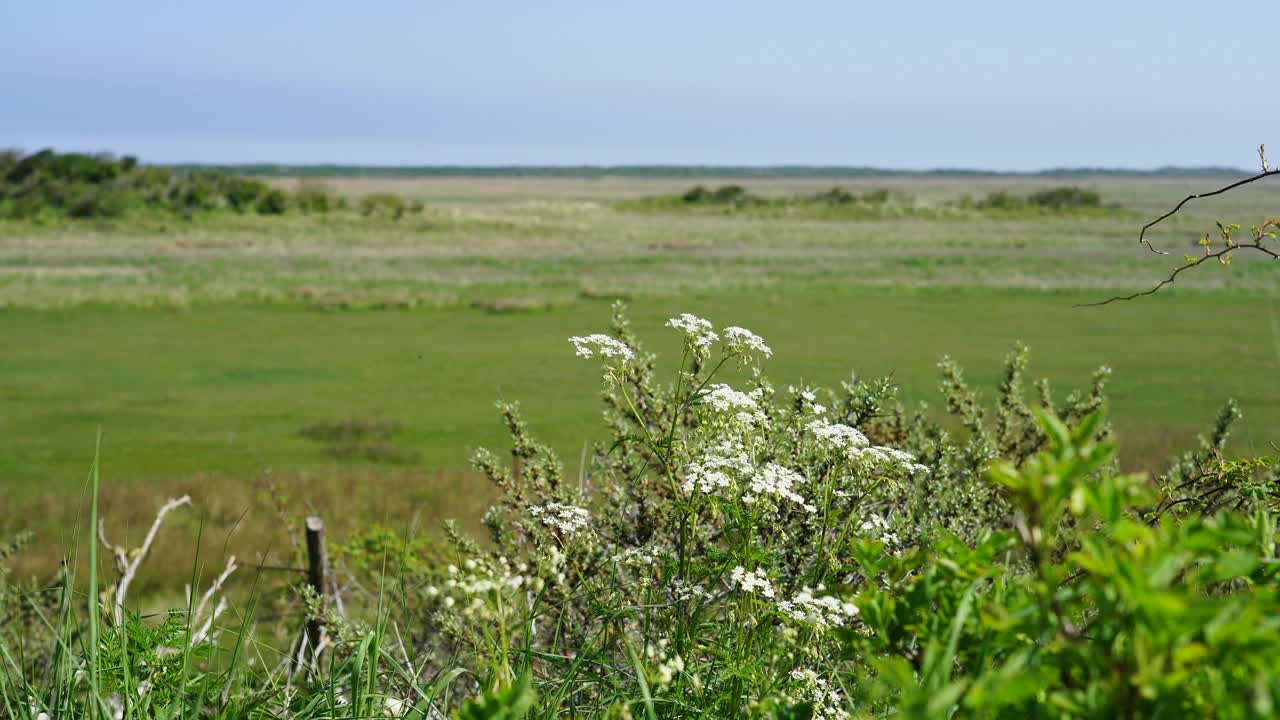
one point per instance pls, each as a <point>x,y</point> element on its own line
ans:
<point>741,340</point>
<point>602,345</point>
<point>564,519</point>
<point>699,334</point>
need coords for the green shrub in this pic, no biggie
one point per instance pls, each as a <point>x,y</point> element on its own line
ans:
<point>313,196</point>
<point>382,205</point>
<point>272,202</point>
<point>1053,199</point>
<point>243,194</point>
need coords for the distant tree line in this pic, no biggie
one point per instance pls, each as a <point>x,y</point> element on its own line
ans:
<point>49,184</point>
<point>679,171</point>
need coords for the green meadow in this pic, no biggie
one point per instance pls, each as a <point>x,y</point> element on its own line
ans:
<point>350,364</point>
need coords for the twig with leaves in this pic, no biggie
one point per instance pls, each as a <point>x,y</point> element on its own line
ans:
<point>1258,234</point>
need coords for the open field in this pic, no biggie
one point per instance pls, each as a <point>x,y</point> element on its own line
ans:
<point>204,349</point>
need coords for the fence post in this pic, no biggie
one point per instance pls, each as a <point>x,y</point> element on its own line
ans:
<point>317,573</point>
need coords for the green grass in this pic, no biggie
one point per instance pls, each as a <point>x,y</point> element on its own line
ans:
<point>204,349</point>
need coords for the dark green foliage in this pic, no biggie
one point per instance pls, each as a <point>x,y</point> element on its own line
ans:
<point>1055,199</point>
<point>838,202</point>
<point>48,185</point>
<point>386,205</point>
<point>243,194</point>
<point>273,202</point>
<point>726,195</point>
<point>312,196</point>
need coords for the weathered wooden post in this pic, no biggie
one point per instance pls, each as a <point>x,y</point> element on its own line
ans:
<point>317,575</point>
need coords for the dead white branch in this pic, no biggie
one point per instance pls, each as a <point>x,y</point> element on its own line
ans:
<point>128,561</point>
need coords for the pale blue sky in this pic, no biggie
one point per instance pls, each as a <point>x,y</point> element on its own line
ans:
<point>998,85</point>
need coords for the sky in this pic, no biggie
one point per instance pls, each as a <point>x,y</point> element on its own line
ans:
<point>914,85</point>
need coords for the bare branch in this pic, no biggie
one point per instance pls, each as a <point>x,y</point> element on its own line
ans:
<point>1266,231</point>
<point>215,587</point>
<point>1142,236</point>
<point>1178,270</point>
<point>129,567</point>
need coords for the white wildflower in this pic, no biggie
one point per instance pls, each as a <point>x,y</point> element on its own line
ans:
<point>742,409</point>
<point>699,335</point>
<point>668,669</point>
<point>681,590</point>
<point>717,472</point>
<point>741,341</point>
<point>752,582</point>
<point>565,519</point>
<point>827,701</point>
<point>822,611</point>
<point>639,557</point>
<point>835,436</point>
<point>725,399</point>
<point>883,455</point>
<point>777,481</point>
<point>602,345</point>
<point>876,525</point>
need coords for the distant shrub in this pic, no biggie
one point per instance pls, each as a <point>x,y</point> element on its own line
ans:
<point>89,201</point>
<point>875,196</point>
<point>313,196</point>
<point>382,205</point>
<point>727,195</point>
<point>840,196</point>
<point>1065,197</point>
<point>243,194</point>
<point>696,194</point>
<point>1055,198</point>
<point>835,196</point>
<point>273,202</point>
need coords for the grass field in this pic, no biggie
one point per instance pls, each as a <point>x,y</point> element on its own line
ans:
<point>204,349</point>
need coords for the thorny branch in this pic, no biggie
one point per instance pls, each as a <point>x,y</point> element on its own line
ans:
<point>1267,230</point>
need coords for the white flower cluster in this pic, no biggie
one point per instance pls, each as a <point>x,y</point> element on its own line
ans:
<point>734,471</point>
<point>811,403</point>
<point>827,701</point>
<point>698,333</point>
<point>476,586</point>
<point>681,590</point>
<point>777,481</point>
<point>835,436</point>
<point>715,472</point>
<point>640,557</point>
<point>668,669</point>
<point>742,340</point>
<point>751,582</point>
<point>601,345</point>
<point>823,611</point>
<point>722,398</point>
<point>565,519</point>
<point>851,443</point>
<point>876,525</point>
<point>740,407</point>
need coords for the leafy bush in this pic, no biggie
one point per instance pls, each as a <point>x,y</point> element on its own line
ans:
<point>1049,199</point>
<point>313,196</point>
<point>383,205</point>
<point>272,202</point>
<point>730,195</point>
<point>770,552</point>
